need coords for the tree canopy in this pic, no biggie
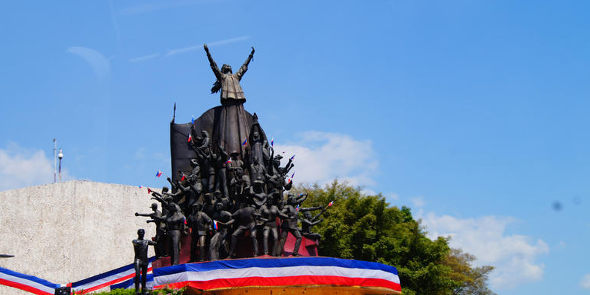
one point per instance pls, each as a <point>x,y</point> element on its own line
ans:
<point>366,227</point>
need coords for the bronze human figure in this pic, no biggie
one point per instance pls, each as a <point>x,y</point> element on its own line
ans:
<point>156,218</point>
<point>199,222</point>
<point>175,224</point>
<point>227,82</point>
<point>141,262</point>
<point>245,220</point>
<point>218,247</point>
<point>269,212</point>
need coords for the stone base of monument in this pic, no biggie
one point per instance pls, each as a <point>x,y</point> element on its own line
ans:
<point>294,275</point>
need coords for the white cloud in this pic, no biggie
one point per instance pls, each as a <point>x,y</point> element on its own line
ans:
<point>321,157</point>
<point>100,64</point>
<point>144,57</point>
<point>418,201</point>
<point>392,196</point>
<point>585,282</point>
<point>514,256</point>
<point>21,168</point>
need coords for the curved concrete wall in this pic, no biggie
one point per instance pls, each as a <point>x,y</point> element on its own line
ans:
<point>65,232</point>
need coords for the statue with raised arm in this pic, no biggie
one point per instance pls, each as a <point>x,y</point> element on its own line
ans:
<point>306,223</point>
<point>228,82</point>
<point>141,261</point>
<point>156,217</point>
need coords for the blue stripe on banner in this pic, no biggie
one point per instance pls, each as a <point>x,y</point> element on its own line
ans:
<point>274,262</point>
<point>30,278</point>
<point>106,274</point>
<point>129,283</point>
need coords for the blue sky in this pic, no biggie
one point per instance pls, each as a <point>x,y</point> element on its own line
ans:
<point>473,113</point>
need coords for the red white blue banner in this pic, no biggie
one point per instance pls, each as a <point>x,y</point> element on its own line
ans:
<point>27,283</point>
<point>107,279</point>
<point>130,283</point>
<point>274,272</point>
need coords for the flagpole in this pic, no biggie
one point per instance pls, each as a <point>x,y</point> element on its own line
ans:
<point>54,160</point>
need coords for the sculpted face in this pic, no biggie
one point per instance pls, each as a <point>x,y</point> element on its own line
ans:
<point>140,233</point>
<point>226,69</point>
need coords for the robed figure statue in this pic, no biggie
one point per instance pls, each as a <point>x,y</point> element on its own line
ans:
<point>232,131</point>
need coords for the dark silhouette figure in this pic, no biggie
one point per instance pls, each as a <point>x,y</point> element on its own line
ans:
<point>227,82</point>
<point>175,224</point>
<point>156,217</point>
<point>199,222</point>
<point>290,215</point>
<point>306,223</point>
<point>246,222</point>
<point>270,212</point>
<point>141,260</point>
<point>221,221</point>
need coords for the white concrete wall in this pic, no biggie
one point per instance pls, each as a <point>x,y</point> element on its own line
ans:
<point>65,232</point>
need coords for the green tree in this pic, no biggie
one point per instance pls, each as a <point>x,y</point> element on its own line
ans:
<point>367,228</point>
<point>474,279</point>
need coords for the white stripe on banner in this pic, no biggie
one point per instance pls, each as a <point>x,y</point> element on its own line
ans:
<point>269,272</point>
<point>26,282</point>
<point>106,281</point>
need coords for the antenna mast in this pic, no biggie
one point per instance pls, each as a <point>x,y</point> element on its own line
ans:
<point>54,160</point>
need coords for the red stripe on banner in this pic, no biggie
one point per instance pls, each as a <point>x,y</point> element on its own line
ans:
<point>110,283</point>
<point>23,287</point>
<point>286,281</point>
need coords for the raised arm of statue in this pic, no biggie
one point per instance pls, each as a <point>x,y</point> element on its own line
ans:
<point>310,209</point>
<point>244,67</point>
<point>214,66</point>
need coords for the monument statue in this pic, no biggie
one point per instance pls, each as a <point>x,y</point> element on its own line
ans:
<point>199,222</point>
<point>230,182</point>
<point>227,82</point>
<point>156,218</point>
<point>141,260</point>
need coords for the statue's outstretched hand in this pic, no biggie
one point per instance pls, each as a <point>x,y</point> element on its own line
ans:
<point>253,50</point>
<point>206,48</point>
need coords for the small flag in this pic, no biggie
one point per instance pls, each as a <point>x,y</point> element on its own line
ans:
<point>292,174</point>
<point>331,203</point>
<point>301,194</point>
<point>297,208</point>
<point>149,191</point>
<point>289,179</point>
<point>228,161</point>
<point>245,141</point>
<point>272,142</point>
<point>159,173</point>
<point>193,120</point>
<point>190,137</point>
<point>139,186</point>
<point>183,177</point>
<point>214,224</point>
<point>184,220</point>
<point>293,157</point>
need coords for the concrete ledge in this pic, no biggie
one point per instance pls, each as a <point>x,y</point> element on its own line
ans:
<point>65,232</point>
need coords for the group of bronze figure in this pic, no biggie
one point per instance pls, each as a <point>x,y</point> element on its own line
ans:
<point>234,187</point>
<point>218,211</point>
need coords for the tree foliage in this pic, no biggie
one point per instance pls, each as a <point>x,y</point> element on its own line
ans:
<point>367,228</point>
